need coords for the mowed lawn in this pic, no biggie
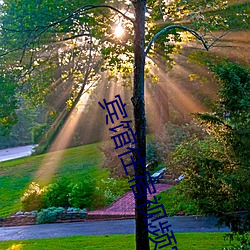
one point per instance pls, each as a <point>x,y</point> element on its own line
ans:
<point>185,241</point>
<point>74,164</point>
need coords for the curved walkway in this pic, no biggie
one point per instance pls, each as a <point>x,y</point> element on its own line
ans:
<point>124,207</point>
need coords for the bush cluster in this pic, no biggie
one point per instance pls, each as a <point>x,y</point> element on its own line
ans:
<point>48,215</point>
<point>108,190</point>
<point>33,197</point>
<point>81,194</point>
<point>238,241</point>
<point>57,193</point>
<point>61,193</point>
<point>64,193</point>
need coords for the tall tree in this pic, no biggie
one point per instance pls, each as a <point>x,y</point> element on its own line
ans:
<point>142,241</point>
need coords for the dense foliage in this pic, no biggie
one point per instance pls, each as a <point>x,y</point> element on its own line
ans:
<point>217,168</point>
<point>48,215</point>
<point>32,199</point>
<point>8,105</point>
<point>82,194</point>
<point>56,50</point>
<point>56,194</point>
<point>238,241</point>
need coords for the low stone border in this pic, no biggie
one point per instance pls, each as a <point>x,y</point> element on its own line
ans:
<point>110,216</point>
<point>71,216</point>
<point>18,220</point>
<point>30,219</point>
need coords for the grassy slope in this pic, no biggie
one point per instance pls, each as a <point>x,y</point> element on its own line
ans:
<point>76,163</point>
<point>185,241</point>
<point>173,203</point>
<point>16,175</point>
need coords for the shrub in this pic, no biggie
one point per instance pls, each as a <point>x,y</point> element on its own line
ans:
<point>108,190</point>
<point>84,194</point>
<point>209,180</point>
<point>174,202</point>
<point>81,194</point>
<point>73,209</point>
<point>57,193</point>
<point>105,191</point>
<point>48,215</point>
<point>243,241</point>
<point>38,131</point>
<point>33,197</point>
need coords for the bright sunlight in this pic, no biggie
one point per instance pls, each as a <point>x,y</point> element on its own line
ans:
<point>119,31</point>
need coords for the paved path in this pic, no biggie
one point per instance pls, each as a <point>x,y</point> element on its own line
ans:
<point>14,153</point>
<point>179,224</point>
<point>124,206</point>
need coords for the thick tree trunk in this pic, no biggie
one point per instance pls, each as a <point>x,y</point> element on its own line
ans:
<point>142,241</point>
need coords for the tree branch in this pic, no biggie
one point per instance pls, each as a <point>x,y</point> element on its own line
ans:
<point>74,13</point>
<point>42,29</point>
<point>218,38</point>
<point>87,8</point>
<point>112,8</point>
<point>193,32</point>
<point>72,37</point>
<point>25,45</point>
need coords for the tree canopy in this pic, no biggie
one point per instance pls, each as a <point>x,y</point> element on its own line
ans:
<point>50,43</point>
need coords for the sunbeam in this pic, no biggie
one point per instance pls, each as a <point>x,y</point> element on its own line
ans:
<point>171,94</point>
<point>51,161</point>
<point>171,99</point>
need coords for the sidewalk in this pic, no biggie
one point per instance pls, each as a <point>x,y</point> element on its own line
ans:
<point>124,207</point>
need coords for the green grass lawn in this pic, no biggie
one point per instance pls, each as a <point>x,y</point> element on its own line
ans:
<point>75,164</point>
<point>185,241</point>
<point>175,202</point>
<point>16,175</point>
